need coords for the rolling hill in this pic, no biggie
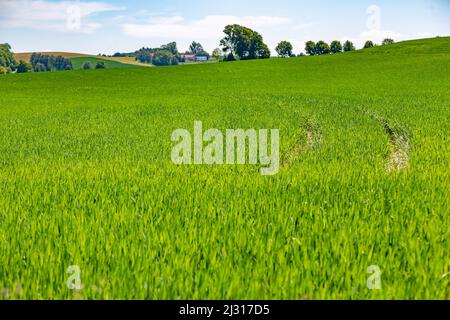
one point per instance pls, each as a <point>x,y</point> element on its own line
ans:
<point>86,179</point>
<point>112,62</point>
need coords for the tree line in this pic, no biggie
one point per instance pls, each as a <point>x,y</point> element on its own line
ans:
<point>165,55</point>
<point>241,43</point>
<point>87,65</point>
<point>238,43</point>
<point>8,63</point>
<point>321,47</point>
<point>38,62</point>
<point>43,62</point>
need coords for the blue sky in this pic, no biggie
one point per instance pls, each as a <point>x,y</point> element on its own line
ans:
<point>108,26</point>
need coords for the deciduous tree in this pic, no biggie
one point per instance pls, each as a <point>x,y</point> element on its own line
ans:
<point>322,47</point>
<point>336,46</point>
<point>368,44</point>
<point>100,65</point>
<point>310,48</point>
<point>23,67</point>
<point>87,65</point>
<point>284,49</point>
<point>244,43</point>
<point>348,46</point>
<point>164,58</point>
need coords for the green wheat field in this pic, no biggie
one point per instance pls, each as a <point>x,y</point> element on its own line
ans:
<point>86,179</point>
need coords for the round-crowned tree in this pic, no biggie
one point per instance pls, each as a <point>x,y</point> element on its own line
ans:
<point>348,46</point>
<point>243,43</point>
<point>284,49</point>
<point>336,46</point>
<point>23,67</point>
<point>322,47</point>
<point>100,65</point>
<point>310,48</point>
<point>387,41</point>
<point>368,44</point>
<point>87,65</point>
<point>217,54</point>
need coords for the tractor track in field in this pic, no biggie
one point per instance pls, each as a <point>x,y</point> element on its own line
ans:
<point>399,147</point>
<point>308,139</point>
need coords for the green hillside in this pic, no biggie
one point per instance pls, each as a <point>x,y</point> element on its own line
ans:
<point>439,45</point>
<point>78,63</point>
<point>86,179</point>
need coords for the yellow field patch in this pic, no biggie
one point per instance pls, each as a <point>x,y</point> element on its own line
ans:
<point>68,55</point>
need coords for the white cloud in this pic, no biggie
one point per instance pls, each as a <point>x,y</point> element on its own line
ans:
<point>207,29</point>
<point>65,16</point>
<point>378,35</point>
<point>178,27</point>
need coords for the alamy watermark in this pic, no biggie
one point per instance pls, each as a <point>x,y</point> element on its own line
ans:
<point>214,147</point>
<point>73,20</point>
<point>374,279</point>
<point>374,17</point>
<point>74,280</point>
